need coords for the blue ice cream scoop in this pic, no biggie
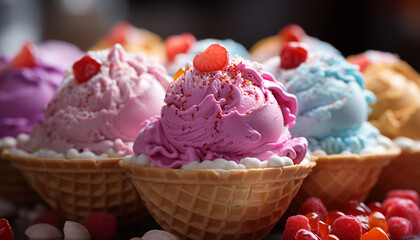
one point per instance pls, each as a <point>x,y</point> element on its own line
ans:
<point>332,104</point>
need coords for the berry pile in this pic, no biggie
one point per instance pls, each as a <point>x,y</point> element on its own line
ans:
<point>398,217</point>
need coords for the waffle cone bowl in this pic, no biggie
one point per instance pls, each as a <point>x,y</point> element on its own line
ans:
<point>338,178</point>
<point>13,186</point>
<point>209,204</point>
<point>401,173</point>
<point>74,188</point>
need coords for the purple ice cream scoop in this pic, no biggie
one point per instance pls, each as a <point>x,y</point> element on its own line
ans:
<point>25,91</point>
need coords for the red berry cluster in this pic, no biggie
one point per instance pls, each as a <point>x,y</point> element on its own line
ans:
<point>398,217</point>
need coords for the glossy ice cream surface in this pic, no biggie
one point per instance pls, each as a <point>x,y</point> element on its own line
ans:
<point>26,90</point>
<point>106,111</point>
<point>236,112</point>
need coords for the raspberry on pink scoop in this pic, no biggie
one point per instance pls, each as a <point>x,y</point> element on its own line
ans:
<point>26,56</point>
<point>85,69</point>
<point>214,58</point>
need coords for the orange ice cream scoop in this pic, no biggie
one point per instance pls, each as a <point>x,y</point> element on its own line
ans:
<point>133,40</point>
<point>397,88</point>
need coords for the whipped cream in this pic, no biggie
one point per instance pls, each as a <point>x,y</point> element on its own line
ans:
<point>406,143</point>
<point>223,164</point>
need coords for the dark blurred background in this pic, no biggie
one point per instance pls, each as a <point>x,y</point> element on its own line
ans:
<point>351,26</point>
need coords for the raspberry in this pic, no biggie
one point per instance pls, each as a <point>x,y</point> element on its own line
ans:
<point>408,194</point>
<point>315,205</point>
<point>347,228</point>
<point>375,234</point>
<point>101,225</point>
<point>26,57</point>
<point>399,227</point>
<point>354,207</point>
<point>391,202</point>
<point>51,218</point>
<point>214,58</point>
<point>291,33</point>
<point>293,54</point>
<point>407,209</point>
<point>178,44</point>
<point>294,224</point>
<point>304,234</point>
<point>85,68</point>
<point>5,230</point>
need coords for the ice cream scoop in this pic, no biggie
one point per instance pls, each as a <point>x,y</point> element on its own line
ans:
<point>222,107</point>
<point>102,103</point>
<point>28,82</point>
<point>270,47</point>
<point>397,88</point>
<point>332,100</point>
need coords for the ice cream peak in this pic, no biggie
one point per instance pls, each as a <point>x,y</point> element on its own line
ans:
<point>397,88</point>
<point>106,109</point>
<point>28,81</point>
<point>333,103</point>
<point>235,112</point>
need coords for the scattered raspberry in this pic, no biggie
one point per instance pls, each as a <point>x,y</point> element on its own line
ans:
<point>407,209</point>
<point>304,234</point>
<point>359,60</point>
<point>291,33</point>
<point>354,207</point>
<point>347,228</point>
<point>51,218</point>
<point>119,33</point>
<point>214,58</point>
<point>85,68</point>
<point>332,216</point>
<point>101,225</point>
<point>375,234</point>
<point>6,232</point>
<point>315,205</point>
<point>408,194</point>
<point>399,227</point>
<point>26,57</point>
<point>293,54</point>
<point>293,225</point>
<point>391,202</point>
<point>178,44</point>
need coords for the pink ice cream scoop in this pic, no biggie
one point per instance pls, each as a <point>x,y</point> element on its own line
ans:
<point>236,112</point>
<point>102,103</point>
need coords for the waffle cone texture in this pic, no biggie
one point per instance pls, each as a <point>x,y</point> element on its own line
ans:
<point>74,188</point>
<point>402,173</point>
<point>338,178</point>
<point>13,186</point>
<point>213,204</point>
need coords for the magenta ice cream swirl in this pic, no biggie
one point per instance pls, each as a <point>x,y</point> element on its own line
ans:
<point>233,113</point>
<point>102,103</point>
<point>28,81</point>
